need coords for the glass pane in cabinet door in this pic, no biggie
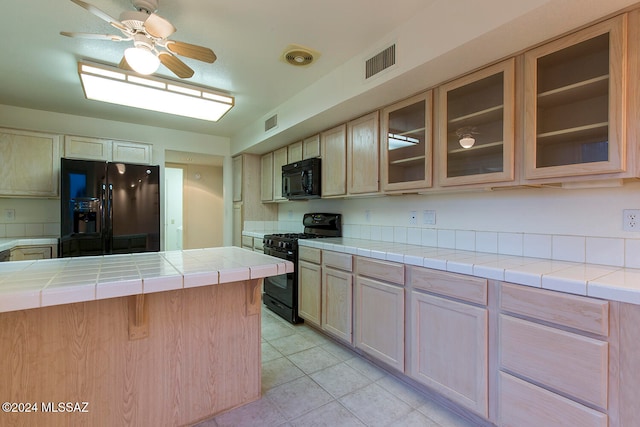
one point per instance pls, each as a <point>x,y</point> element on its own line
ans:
<point>573,104</point>
<point>406,143</point>
<point>475,140</point>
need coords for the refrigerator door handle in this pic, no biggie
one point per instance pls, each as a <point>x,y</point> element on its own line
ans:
<point>110,215</point>
<point>103,225</point>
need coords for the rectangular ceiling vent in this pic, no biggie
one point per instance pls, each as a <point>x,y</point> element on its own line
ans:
<point>381,61</point>
<point>270,123</point>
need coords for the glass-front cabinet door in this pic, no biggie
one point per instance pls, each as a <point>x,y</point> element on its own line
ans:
<point>476,127</point>
<point>405,144</point>
<point>574,103</point>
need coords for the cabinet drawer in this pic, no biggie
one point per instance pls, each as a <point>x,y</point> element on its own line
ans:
<point>258,244</point>
<point>313,255</point>
<point>525,405</point>
<point>337,260</point>
<point>467,288</point>
<point>564,361</point>
<point>586,314</point>
<point>382,270</point>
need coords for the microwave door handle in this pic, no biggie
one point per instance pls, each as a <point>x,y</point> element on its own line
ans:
<point>285,185</point>
<point>303,184</point>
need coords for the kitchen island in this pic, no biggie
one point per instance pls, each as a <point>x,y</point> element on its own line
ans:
<point>153,339</point>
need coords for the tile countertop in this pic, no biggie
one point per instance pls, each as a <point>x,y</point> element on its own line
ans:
<point>598,281</point>
<point>57,281</point>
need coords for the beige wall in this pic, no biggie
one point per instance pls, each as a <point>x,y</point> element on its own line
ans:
<point>203,207</point>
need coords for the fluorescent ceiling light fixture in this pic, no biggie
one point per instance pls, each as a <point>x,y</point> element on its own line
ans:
<point>110,84</point>
<point>399,141</point>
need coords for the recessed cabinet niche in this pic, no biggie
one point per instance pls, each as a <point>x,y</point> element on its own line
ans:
<point>574,103</point>
<point>406,141</point>
<point>476,142</point>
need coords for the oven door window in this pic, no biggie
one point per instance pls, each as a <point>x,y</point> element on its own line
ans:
<point>281,288</point>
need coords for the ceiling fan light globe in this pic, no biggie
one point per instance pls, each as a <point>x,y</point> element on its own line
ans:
<point>142,60</point>
<point>467,141</point>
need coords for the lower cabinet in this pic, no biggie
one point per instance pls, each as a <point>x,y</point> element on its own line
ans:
<point>516,356</point>
<point>450,339</point>
<point>310,292</point>
<point>553,359</point>
<point>523,404</point>
<point>337,295</point>
<point>379,311</point>
<point>21,253</point>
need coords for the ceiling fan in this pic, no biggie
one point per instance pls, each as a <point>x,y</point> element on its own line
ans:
<point>149,33</point>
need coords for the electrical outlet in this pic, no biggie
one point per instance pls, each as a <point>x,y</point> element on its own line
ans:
<point>413,218</point>
<point>367,215</point>
<point>10,214</point>
<point>631,219</point>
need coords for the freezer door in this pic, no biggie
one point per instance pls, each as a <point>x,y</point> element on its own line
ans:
<point>82,220</point>
<point>133,203</point>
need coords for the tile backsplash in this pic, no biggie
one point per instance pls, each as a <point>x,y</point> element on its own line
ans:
<point>618,252</point>
<point>29,230</point>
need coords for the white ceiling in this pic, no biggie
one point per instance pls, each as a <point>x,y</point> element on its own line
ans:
<point>39,66</point>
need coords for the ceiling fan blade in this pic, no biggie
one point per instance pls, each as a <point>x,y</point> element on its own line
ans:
<point>176,66</point>
<point>100,14</point>
<point>124,65</point>
<point>110,37</point>
<point>157,26</point>
<point>191,51</point>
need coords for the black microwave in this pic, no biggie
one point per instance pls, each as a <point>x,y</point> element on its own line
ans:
<point>301,180</point>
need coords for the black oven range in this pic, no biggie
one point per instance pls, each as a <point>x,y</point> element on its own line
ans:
<point>281,292</point>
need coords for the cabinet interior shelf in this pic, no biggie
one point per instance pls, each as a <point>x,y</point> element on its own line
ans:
<point>477,147</point>
<point>557,136</point>
<point>407,160</point>
<point>486,115</point>
<point>408,132</point>
<point>582,90</point>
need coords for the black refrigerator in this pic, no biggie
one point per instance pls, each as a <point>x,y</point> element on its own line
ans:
<point>108,208</point>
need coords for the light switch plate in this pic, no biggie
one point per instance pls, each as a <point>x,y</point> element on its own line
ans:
<point>428,217</point>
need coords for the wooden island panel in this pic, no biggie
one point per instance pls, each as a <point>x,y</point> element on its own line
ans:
<point>201,357</point>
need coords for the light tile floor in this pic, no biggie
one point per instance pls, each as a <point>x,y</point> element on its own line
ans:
<point>309,380</point>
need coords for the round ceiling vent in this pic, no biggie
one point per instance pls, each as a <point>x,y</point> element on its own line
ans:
<point>298,55</point>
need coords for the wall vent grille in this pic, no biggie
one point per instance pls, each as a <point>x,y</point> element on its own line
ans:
<point>271,122</point>
<point>381,61</point>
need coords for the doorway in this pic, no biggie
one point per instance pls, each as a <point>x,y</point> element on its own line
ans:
<point>173,207</point>
<point>196,190</point>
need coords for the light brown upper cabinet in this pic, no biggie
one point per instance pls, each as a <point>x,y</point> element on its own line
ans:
<point>363,154</point>
<point>266,177</point>
<point>294,152</point>
<point>334,161</point>
<point>279,159</point>
<point>311,147</point>
<point>574,103</point>
<point>476,129</point>
<point>406,146</point>
<point>30,163</point>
